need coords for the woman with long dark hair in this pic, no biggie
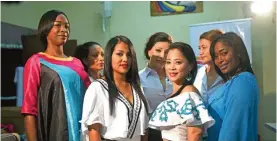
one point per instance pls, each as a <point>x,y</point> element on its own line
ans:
<point>234,106</point>
<point>115,107</point>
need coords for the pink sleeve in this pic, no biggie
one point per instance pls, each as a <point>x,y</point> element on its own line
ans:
<point>31,82</point>
<point>83,73</point>
<point>87,81</point>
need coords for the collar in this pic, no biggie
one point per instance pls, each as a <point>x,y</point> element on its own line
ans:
<point>148,71</point>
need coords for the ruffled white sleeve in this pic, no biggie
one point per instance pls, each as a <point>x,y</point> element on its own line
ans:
<point>93,111</point>
<point>187,108</point>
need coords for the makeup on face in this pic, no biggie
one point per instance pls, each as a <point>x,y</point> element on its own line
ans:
<point>158,54</point>
<point>121,58</point>
<point>176,66</point>
<point>225,58</point>
<point>204,51</point>
<point>96,58</point>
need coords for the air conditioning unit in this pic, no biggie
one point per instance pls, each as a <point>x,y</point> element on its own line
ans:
<point>107,9</point>
<point>106,13</point>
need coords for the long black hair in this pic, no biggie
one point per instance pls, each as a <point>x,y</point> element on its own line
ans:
<point>234,41</point>
<point>131,76</point>
<point>46,23</point>
<point>188,53</point>
<point>82,52</point>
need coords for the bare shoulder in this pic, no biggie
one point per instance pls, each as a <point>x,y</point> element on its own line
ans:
<point>190,88</point>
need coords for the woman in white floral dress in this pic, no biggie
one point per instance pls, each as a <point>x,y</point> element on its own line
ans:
<point>183,116</point>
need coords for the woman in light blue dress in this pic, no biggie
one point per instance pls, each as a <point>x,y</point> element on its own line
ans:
<point>234,106</point>
<point>156,86</point>
<point>207,80</point>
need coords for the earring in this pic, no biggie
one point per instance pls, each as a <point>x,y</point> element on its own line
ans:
<point>189,77</point>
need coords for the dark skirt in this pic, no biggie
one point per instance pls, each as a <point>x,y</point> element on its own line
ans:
<point>154,135</point>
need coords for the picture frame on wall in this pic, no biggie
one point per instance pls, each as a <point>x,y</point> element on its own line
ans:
<point>163,8</point>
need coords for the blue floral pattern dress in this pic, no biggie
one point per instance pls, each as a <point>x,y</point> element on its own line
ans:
<point>173,115</point>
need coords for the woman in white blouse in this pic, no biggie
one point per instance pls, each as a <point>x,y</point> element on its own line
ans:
<point>207,80</point>
<point>115,107</point>
<point>183,116</point>
<point>155,85</point>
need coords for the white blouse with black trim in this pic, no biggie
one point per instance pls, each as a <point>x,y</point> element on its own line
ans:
<point>129,121</point>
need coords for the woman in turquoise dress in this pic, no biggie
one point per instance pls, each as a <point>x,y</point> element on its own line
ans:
<point>234,106</point>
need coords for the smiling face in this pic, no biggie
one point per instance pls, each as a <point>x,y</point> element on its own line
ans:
<point>177,66</point>
<point>59,33</point>
<point>225,58</point>
<point>121,58</point>
<point>204,51</point>
<point>158,53</point>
